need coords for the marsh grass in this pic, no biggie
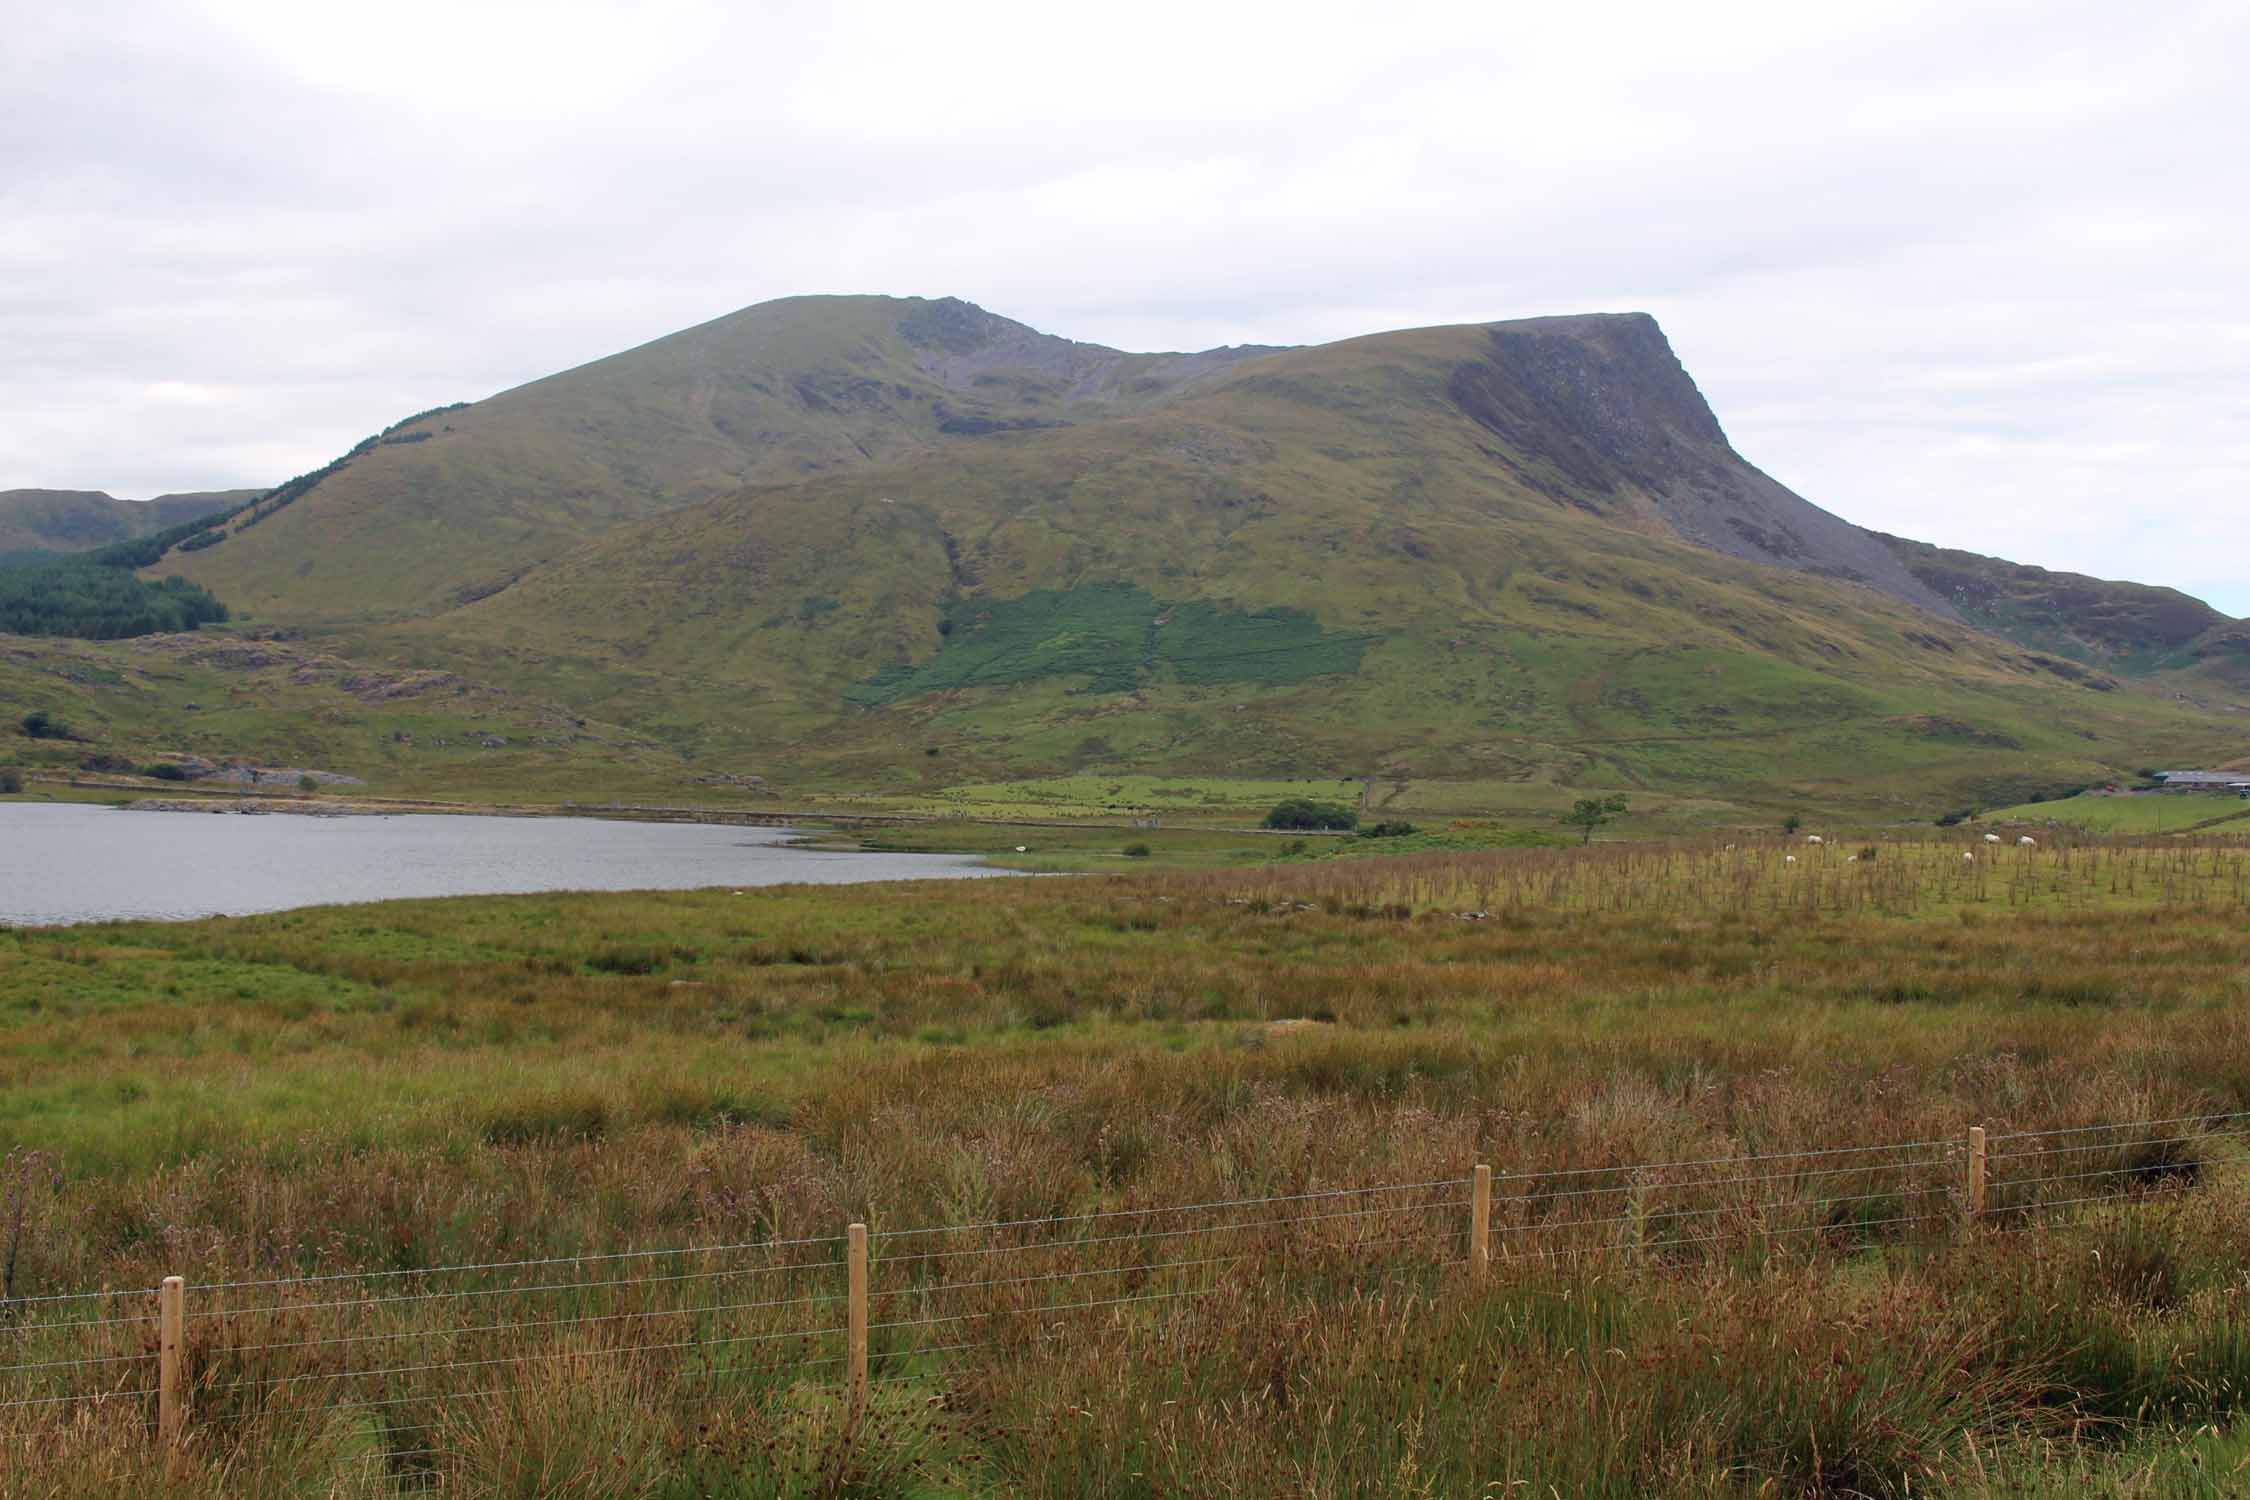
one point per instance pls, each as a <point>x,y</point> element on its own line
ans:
<point>400,1087</point>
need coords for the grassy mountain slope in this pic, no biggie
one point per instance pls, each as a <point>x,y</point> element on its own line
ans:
<point>2122,627</point>
<point>460,502</point>
<point>1395,556</point>
<point>2170,642</point>
<point>81,520</point>
<point>276,703</point>
<point>905,547</point>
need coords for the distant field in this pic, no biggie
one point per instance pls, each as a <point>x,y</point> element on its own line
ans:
<point>457,1082</point>
<point>2133,814</point>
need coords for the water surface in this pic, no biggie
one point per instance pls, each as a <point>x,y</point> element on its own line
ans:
<point>66,862</point>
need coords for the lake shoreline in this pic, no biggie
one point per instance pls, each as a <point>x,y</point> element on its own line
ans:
<point>77,865</point>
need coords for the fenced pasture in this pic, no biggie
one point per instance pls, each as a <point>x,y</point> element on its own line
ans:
<point>1167,1182</point>
<point>416,1381</point>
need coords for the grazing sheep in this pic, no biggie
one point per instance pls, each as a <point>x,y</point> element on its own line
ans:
<point>1970,856</point>
<point>1812,838</point>
<point>1992,838</point>
<point>2027,842</point>
<point>1789,859</point>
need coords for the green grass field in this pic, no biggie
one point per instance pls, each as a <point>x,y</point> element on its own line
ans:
<point>457,1082</point>
<point>2192,812</point>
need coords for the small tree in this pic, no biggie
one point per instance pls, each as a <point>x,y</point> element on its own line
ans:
<point>1590,813</point>
<point>11,781</point>
<point>308,783</point>
<point>42,725</point>
<point>1792,823</point>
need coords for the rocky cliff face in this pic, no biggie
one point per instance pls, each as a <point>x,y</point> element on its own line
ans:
<point>1603,403</point>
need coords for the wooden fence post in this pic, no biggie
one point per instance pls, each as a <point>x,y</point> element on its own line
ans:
<point>1976,1174</point>
<point>1480,1222</point>
<point>171,1401</point>
<point>855,1318</point>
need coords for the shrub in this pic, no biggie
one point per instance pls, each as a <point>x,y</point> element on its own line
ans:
<point>11,781</point>
<point>42,725</point>
<point>1386,831</point>
<point>1302,812</point>
<point>167,771</point>
<point>1136,851</point>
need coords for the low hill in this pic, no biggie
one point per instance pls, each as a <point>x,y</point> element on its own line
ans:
<point>81,520</point>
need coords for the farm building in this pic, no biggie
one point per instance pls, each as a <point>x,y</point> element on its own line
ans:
<point>2206,781</point>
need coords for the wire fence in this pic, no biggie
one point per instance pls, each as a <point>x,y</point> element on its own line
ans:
<point>398,1359</point>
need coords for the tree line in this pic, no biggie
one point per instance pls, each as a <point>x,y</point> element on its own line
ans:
<point>90,601</point>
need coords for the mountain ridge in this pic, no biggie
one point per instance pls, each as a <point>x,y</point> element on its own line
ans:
<point>899,543</point>
<point>52,520</point>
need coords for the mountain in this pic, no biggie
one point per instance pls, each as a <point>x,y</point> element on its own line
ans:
<point>81,520</point>
<point>903,545</point>
<point>449,505</point>
<point>2131,628</point>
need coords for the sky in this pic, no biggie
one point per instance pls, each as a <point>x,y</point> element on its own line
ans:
<point>1971,272</point>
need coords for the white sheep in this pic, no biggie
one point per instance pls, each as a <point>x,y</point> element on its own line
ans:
<point>1992,838</point>
<point>1789,859</point>
<point>1971,856</point>
<point>1813,838</point>
<point>2027,842</point>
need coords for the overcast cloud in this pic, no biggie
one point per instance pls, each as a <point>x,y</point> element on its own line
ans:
<point>1971,272</point>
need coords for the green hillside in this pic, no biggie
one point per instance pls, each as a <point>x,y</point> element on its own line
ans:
<point>896,548</point>
<point>116,706</point>
<point>446,507</point>
<point>1373,580</point>
<point>81,520</point>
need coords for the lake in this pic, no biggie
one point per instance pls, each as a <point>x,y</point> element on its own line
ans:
<point>64,862</point>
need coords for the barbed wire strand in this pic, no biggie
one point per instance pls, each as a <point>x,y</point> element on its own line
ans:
<point>520,1359</point>
<point>81,1396</point>
<point>450,1332</point>
<point>2120,1145</point>
<point>2025,1135</point>
<point>517,1265</point>
<point>1031,1312</point>
<point>1164,1234</point>
<point>1501,1179</point>
<point>504,1291</point>
<point>1185,1208</point>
